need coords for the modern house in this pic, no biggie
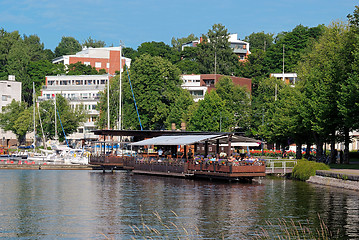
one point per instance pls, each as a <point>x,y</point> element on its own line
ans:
<point>107,58</point>
<point>288,78</point>
<point>199,85</point>
<point>78,90</point>
<point>239,47</point>
<point>9,90</point>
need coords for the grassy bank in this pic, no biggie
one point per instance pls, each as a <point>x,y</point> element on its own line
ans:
<point>304,169</point>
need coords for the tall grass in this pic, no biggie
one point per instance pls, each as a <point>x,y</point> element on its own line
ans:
<point>304,169</point>
<point>292,230</point>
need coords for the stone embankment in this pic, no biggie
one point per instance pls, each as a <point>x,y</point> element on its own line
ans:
<point>46,167</point>
<point>342,178</point>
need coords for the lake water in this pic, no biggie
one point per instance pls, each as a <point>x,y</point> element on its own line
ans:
<point>49,204</point>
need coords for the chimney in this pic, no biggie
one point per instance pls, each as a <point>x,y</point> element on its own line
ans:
<point>183,126</point>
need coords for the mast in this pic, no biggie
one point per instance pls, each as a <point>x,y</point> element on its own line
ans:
<point>108,103</point>
<point>34,107</point>
<point>120,95</point>
<point>56,136</point>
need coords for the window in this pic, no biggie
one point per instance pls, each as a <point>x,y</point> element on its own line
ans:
<point>4,98</point>
<point>107,65</point>
<point>97,64</point>
<point>87,63</point>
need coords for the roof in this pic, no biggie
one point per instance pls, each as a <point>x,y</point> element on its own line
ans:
<point>191,139</point>
<point>174,140</point>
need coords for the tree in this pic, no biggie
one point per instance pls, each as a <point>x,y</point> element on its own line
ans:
<point>323,70</point>
<point>6,41</point>
<point>179,111</point>
<point>211,115</point>
<point>37,71</point>
<point>67,46</point>
<point>15,117</point>
<point>89,42</point>
<point>82,69</point>
<point>260,41</point>
<point>237,102</point>
<point>159,49</point>
<point>178,42</point>
<point>188,63</point>
<point>156,86</point>
<point>68,118</point>
<point>215,54</point>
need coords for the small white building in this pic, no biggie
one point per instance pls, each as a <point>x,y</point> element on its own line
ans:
<point>193,84</point>
<point>78,89</point>
<point>288,78</point>
<point>9,90</point>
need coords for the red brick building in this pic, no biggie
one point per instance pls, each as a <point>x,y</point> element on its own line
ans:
<point>199,85</point>
<point>101,58</point>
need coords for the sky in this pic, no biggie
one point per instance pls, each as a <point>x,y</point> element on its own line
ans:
<point>133,22</point>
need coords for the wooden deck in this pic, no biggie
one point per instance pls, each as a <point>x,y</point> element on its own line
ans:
<point>180,168</point>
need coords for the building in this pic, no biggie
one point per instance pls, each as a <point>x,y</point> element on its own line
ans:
<point>78,90</point>
<point>107,58</point>
<point>239,47</point>
<point>199,85</point>
<point>9,90</point>
<point>288,78</point>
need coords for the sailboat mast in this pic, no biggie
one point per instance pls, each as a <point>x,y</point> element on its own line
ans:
<point>120,96</point>
<point>34,107</point>
<point>56,137</point>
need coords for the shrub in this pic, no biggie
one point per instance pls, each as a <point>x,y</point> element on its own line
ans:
<point>304,169</point>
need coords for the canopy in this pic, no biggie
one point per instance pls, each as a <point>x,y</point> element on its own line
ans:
<point>174,140</point>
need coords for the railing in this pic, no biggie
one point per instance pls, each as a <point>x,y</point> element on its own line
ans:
<point>280,166</point>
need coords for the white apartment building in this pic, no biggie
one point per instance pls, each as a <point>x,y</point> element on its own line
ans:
<point>9,90</point>
<point>78,89</point>
<point>193,84</point>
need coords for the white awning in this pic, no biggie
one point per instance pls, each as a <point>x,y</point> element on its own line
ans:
<point>242,144</point>
<point>174,140</point>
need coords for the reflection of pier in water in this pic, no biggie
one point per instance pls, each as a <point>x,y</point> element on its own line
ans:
<point>214,160</point>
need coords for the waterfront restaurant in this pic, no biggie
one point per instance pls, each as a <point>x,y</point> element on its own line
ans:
<point>178,154</point>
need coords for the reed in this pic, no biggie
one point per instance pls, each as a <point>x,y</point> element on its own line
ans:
<point>293,230</point>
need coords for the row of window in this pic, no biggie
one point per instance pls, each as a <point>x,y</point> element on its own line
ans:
<point>74,96</point>
<point>190,80</point>
<point>77,82</point>
<point>97,64</point>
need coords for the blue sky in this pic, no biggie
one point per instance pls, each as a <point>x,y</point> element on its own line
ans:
<point>136,21</point>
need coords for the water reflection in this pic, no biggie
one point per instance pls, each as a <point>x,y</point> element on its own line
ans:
<point>82,205</point>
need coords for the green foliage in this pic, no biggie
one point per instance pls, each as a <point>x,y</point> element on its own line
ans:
<point>304,169</point>
<point>211,115</point>
<point>67,46</point>
<point>17,56</point>
<point>178,42</point>
<point>15,117</point>
<point>89,42</point>
<point>156,86</point>
<point>237,102</point>
<point>82,69</point>
<point>259,41</point>
<point>70,118</point>
<point>159,49</point>
<point>215,52</point>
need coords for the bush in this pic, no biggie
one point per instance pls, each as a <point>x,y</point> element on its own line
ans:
<point>304,169</point>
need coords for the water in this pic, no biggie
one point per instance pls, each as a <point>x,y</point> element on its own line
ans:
<point>64,204</point>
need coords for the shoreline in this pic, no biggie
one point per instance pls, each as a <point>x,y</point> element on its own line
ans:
<point>45,167</point>
<point>340,178</point>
